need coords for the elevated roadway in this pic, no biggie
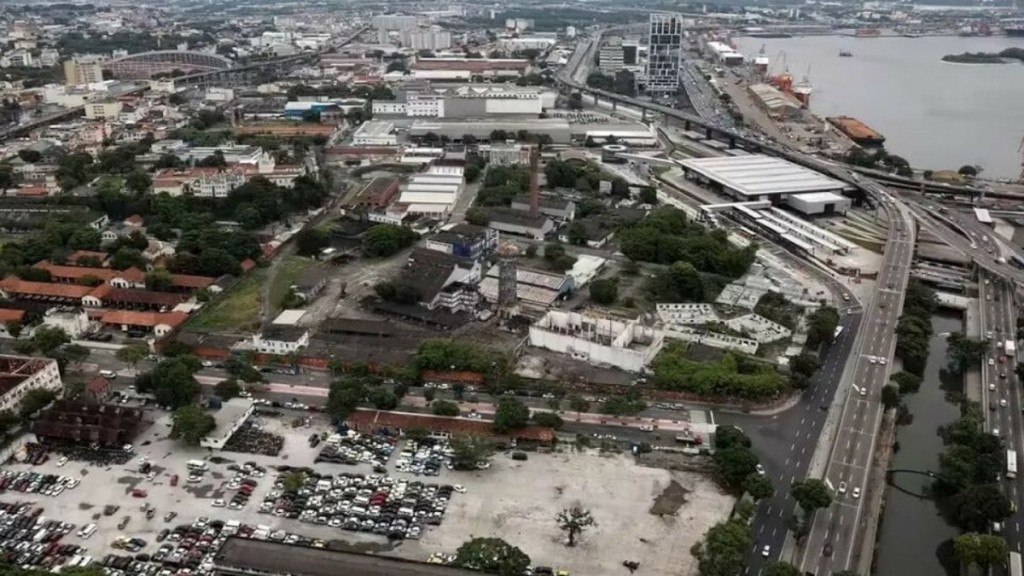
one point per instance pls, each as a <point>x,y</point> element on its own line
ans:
<point>834,538</point>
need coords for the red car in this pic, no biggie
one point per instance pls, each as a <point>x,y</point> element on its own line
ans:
<point>139,493</point>
<point>174,480</point>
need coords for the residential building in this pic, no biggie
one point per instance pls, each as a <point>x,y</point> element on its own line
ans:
<point>83,70</point>
<point>97,390</point>
<point>664,55</point>
<point>394,21</point>
<point>279,339</point>
<point>20,374</point>
<point>426,39</point>
<point>107,110</point>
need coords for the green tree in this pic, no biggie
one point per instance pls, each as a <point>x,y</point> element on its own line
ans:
<point>982,550</point>
<point>429,394</point>
<point>382,398</point>
<point>477,216</point>
<point>444,408</point>
<point>574,521</point>
<point>171,381</point>
<point>821,325</point>
<point>604,291</point>
<point>511,414</point>
<point>811,494</point>
<point>649,195</point>
<point>138,181</point>
<point>310,241</point>
<point>132,354</point>
<point>578,404</point>
<point>470,450</point>
<point>758,486</point>
<point>192,424</point>
<point>492,556</point>
<point>727,436</point>
<point>722,551</point>
<point>14,328</point>
<point>49,338</point>
<point>344,396</point>
<point>890,396</point>
<point>125,257</point>
<point>968,171</point>
<point>385,240</point>
<point>228,389</point>
<point>459,390</point>
<point>294,481</point>
<point>548,420</point>
<point>35,400</point>
<point>964,352</point>
<point>778,568</point>
<point>977,507</point>
<point>908,383</point>
<point>733,465</point>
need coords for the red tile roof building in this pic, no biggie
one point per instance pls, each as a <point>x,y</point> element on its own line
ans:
<point>374,420</point>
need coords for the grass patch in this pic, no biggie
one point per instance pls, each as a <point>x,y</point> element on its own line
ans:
<point>237,309</point>
<point>287,273</point>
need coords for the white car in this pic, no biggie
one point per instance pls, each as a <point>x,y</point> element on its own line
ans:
<point>207,364</point>
<point>151,476</point>
<point>218,503</point>
<point>882,361</point>
<point>195,478</point>
<point>647,428</point>
<point>992,386</point>
<point>856,492</point>
<point>863,391</point>
<point>459,488</point>
<point>766,551</point>
<point>1002,402</point>
<point>842,488</point>
<point>873,360</point>
<point>991,362</point>
<point>995,431</point>
<point>63,460</point>
<point>759,469</point>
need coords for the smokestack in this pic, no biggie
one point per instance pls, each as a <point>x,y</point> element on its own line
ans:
<point>534,181</point>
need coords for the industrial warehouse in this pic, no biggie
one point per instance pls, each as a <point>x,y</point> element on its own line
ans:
<point>755,177</point>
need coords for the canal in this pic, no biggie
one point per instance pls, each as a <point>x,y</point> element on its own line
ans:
<point>914,539</point>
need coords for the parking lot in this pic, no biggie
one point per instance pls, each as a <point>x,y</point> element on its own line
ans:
<point>518,501</point>
<point>409,494</point>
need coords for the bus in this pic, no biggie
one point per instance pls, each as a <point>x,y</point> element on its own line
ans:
<point>1015,569</point>
<point>835,335</point>
<point>1011,464</point>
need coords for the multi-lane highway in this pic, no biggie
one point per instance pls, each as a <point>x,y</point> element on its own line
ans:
<point>833,539</point>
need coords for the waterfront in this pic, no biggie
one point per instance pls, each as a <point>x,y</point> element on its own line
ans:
<point>936,114</point>
<point>914,539</point>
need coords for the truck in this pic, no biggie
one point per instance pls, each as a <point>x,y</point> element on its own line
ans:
<point>1010,348</point>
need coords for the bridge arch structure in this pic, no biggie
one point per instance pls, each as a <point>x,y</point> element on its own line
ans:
<point>145,65</point>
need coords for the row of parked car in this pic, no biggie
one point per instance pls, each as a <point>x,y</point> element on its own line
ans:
<point>353,448</point>
<point>36,483</point>
<point>27,538</point>
<point>378,504</point>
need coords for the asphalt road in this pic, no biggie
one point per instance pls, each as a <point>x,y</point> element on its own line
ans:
<point>786,442</point>
<point>849,463</point>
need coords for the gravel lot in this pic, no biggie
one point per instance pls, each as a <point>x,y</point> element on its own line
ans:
<point>518,501</point>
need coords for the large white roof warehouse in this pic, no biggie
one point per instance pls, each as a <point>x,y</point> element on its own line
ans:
<point>757,177</point>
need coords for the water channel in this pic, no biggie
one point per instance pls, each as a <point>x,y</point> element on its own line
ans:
<point>914,539</point>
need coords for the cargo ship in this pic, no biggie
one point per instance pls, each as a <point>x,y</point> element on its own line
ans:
<point>868,33</point>
<point>845,54</point>
<point>856,130</point>
<point>799,90</point>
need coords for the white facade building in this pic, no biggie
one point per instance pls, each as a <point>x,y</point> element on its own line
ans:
<point>280,340</point>
<point>375,134</point>
<point>426,39</point>
<point>629,346</point>
<point>20,374</point>
<point>229,419</point>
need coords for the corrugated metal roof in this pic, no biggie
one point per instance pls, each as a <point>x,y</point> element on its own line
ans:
<point>758,175</point>
<point>427,198</point>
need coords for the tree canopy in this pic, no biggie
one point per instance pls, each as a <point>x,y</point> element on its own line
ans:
<point>811,494</point>
<point>171,381</point>
<point>192,424</point>
<point>511,414</point>
<point>492,556</point>
<point>733,376</point>
<point>821,326</point>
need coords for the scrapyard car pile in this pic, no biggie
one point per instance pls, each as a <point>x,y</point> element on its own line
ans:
<point>29,539</point>
<point>378,504</point>
<point>250,439</point>
<point>354,448</point>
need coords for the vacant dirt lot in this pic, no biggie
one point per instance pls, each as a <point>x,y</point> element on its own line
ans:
<point>518,501</point>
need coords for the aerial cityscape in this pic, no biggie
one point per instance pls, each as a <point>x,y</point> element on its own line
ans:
<point>530,289</point>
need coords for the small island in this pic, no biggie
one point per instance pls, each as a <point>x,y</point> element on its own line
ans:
<point>1002,57</point>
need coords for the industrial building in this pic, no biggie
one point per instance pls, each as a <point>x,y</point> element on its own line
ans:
<point>560,130</point>
<point>664,53</point>
<point>375,133</point>
<point>774,102</point>
<point>432,193</point>
<point>425,100</point>
<point>229,418</point>
<point>629,346</point>
<point>535,289</point>
<point>758,177</point>
<point>299,110</point>
<point>724,54</point>
<point>468,68</point>
<point>819,203</point>
<point>464,240</point>
<point>520,223</point>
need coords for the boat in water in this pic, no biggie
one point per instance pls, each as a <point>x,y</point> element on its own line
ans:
<point>1016,31</point>
<point>911,35</point>
<point>802,90</point>
<point>856,130</point>
<point>867,33</point>
<point>845,54</point>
